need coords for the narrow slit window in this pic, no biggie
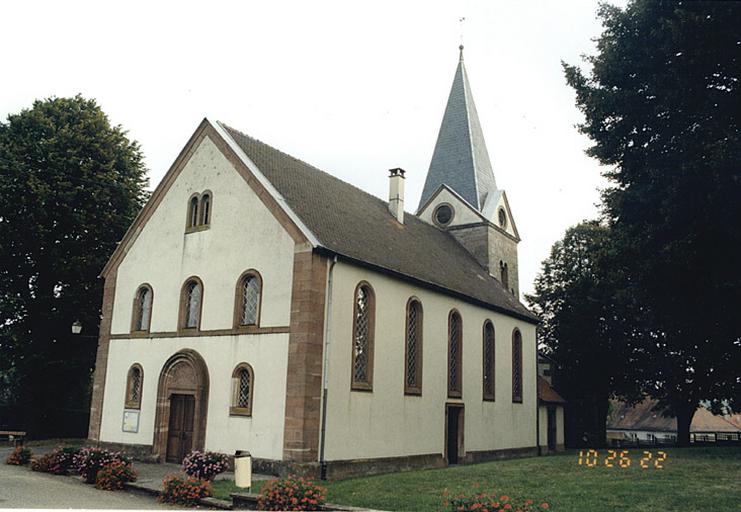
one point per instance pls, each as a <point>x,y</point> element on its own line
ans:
<point>489,361</point>
<point>413,366</point>
<point>455,353</point>
<point>206,209</point>
<point>516,366</point>
<point>193,212</point>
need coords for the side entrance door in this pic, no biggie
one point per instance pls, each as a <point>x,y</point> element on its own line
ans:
<point>453,433</point>
<point>180,431</point>
<point>552,429</point>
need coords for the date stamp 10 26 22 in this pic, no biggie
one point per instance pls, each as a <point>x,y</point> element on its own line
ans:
<point>621,459</point>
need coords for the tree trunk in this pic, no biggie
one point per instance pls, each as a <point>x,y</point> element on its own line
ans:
<point>685,412</point>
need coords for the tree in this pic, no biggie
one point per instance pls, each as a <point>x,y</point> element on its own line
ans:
<point>662,105</point>
<point>70,185</point>
<point>580,298</point>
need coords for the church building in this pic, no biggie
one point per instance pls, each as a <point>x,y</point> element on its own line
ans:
<point>258,303</point>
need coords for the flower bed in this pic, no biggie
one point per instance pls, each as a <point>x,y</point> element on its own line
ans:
<point>114,475</point>
<point>489,502</point>
<point>19,457</point>
<point>205,465</point>
<point>184,491</point>
<point>292,494</point>
<point>88,461</point>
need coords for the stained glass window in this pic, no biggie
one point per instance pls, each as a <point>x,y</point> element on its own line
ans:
<point>242,389</point>
<point>516,366</point>
<point>488,361</point>
<point>363,337</point>
<point>413,383</point>
<point>455,348</point>
<point>250,300</point>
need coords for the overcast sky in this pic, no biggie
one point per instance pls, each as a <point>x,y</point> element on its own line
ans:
<point>354,88</point>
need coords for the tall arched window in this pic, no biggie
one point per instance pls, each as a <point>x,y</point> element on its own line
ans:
<point>488,364</point>
<point>455,355</point>
<point>413,350</point>
<point>517,366</point>
<point>363,330</point>
<point>243,390</point>
<point>191,304</point>
<point>193,211</point>
<point>142,314</point>
<point>248,298</point>
<point>504,274</point>
<point>206,208</point>
<point>134,387</point>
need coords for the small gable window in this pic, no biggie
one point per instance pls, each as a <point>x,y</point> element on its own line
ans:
<point>206,208</point>
<point>364,312</point>
<point>413,352</point>
<point>488,365</point>
<point>502,218</point>
<point>443,214</point>
<point>134,386</point>
<point>243,382</point>
<point>455,355</point>
<point>142,315</point>
<point>191,304</point>
<point>193,212</point>
<point>249,294</point>
<point>517,366</point>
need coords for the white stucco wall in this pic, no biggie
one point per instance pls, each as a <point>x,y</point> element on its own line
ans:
<point>243,235</point>
<point>261,434</point>
<point>385,422</point>
<point>543,412</point>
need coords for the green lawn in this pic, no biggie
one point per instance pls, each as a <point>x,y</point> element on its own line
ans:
<point>702,479</point>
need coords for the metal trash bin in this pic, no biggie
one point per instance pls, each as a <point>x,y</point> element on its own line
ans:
<point>243,469</point>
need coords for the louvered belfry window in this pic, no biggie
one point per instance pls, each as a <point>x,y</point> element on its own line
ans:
<point>488,362</point>
<point>250,299</point>
<point>134,385</point>
<point>516,366</point>
<point>193,295</point>
<point>243,383</point>
<point>455,353</point>
<point>413,352</point>
<point>363,331</point>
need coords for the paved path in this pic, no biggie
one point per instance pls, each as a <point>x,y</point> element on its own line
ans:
<point>22,488</point>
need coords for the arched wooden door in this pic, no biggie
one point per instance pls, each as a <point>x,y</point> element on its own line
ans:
<point>182,406</point>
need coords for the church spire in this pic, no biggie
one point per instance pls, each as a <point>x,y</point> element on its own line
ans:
<point>460,159</point>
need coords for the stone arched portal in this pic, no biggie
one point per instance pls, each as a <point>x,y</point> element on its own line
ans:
<point>182,406</point>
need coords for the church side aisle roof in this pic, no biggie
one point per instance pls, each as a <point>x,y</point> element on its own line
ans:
<point>357,225</point>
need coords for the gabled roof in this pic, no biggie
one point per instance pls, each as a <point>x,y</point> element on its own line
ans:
<point>547,394</point>
<point>643,416</point>
<point>460,158</point>
<point>357,226</point>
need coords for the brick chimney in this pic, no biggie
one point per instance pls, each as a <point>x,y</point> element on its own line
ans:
<point>396,194</point>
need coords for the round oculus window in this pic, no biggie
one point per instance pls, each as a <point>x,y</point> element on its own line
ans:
<point>502,218</point>
<point>443,214</point>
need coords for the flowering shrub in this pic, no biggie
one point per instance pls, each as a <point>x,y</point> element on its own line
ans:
<point>63,459</point>
<point>42,463</point>
<point>291,494</point>
<point>88,461</point>
<point>205,465</point>
<point>489,502</point>
<point>113,476</point>
<point>184,491</point>
<point>19,457</point>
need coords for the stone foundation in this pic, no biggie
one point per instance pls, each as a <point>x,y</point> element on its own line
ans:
<point>509,453</point>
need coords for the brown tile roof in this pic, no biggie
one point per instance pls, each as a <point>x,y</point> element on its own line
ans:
<point>546,393</point>
<point>358,226</point>
<point>643,417</point>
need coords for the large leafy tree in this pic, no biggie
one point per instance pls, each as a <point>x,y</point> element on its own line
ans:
<point>70,185</point>
<point>662,104</point>
<point>581,299</point>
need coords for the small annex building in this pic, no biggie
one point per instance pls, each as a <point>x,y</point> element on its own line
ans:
<point>258,303</point>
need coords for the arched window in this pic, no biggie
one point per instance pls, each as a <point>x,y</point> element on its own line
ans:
<point>248,298</point>
<point>134,387</point>
<point>364,312</point>
<point>243,390</point>
<point>488,366</point>
<point>504,274</point>
<point>413,350</point>
<point>516,366</point>
<point>142,315</point>
<point>206,208</point>
<point>193,211</point>
<point>191,304</point>
<point>455,355</point>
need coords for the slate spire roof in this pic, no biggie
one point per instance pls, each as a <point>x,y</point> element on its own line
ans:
<point>460,159</point>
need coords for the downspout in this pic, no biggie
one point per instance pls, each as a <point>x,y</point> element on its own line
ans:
<point>325,373</point>
<point>537,400</point>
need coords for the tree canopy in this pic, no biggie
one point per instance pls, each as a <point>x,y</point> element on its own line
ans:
<point>70,185</point>
<point>662,105</point>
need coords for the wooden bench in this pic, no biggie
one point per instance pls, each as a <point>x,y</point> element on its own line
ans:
<point>14,436</point>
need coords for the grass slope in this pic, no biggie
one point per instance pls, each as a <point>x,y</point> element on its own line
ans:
<point>693,479</point>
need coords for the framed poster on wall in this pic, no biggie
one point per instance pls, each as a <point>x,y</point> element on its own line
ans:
<point>130,420</point>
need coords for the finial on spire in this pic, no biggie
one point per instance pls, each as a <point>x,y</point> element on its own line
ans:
<point>461,20</point>
<point>461,49</point>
